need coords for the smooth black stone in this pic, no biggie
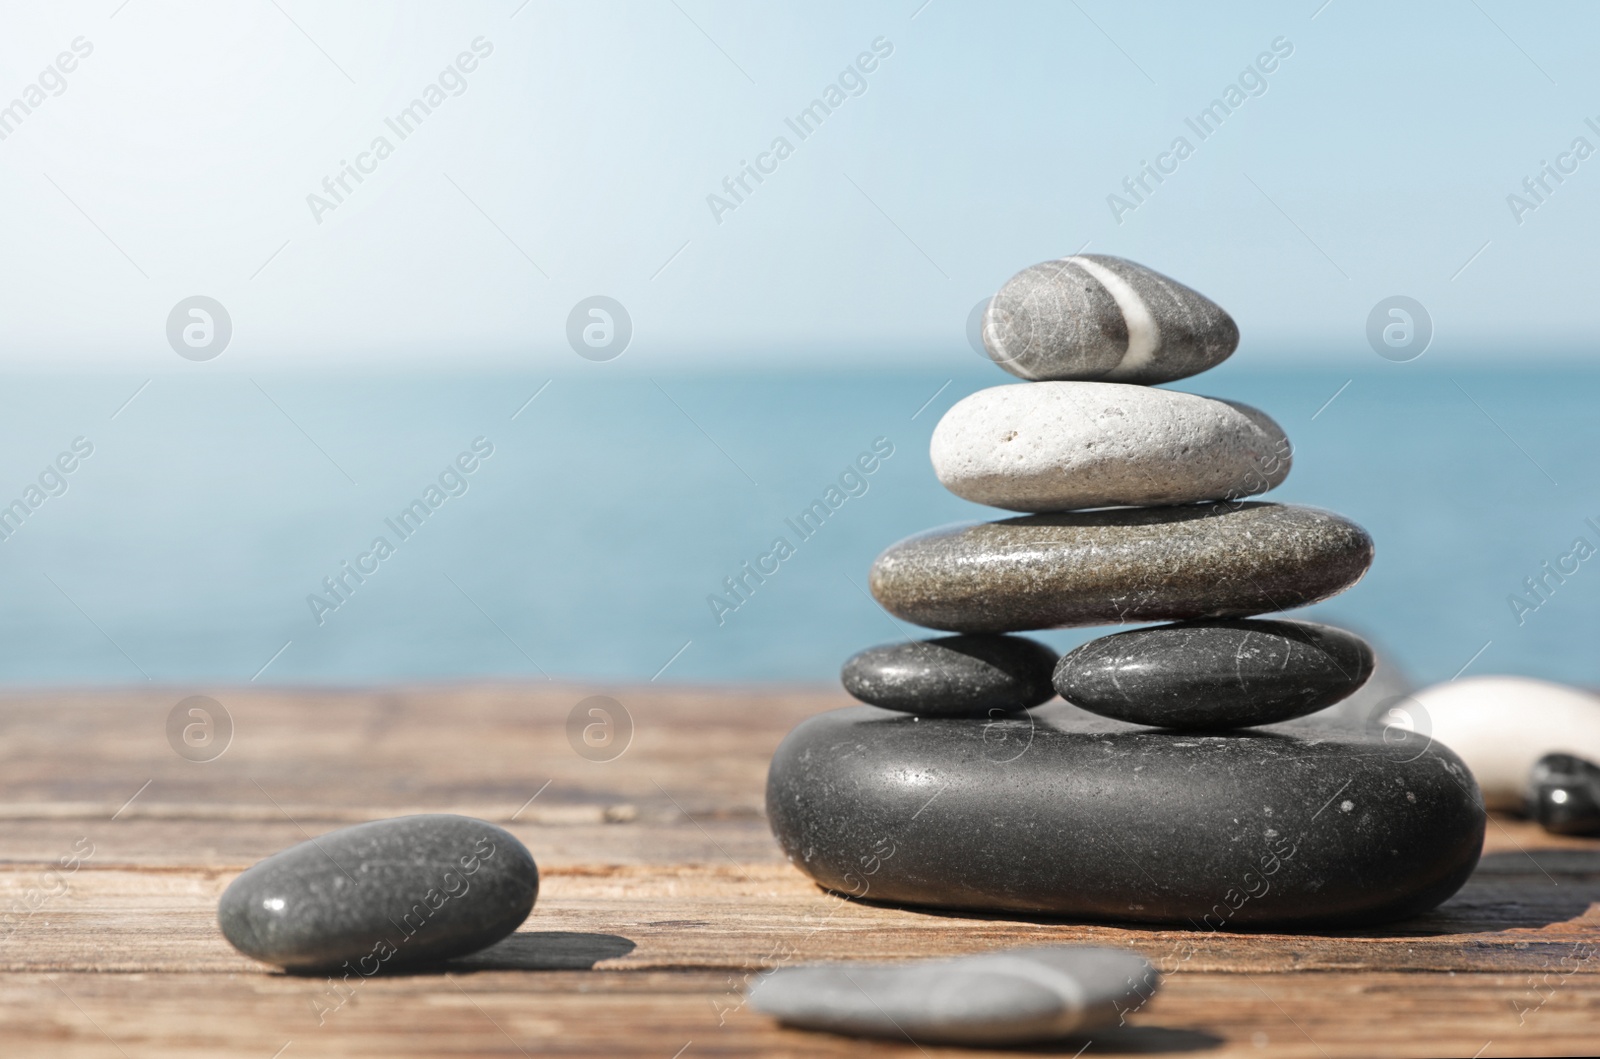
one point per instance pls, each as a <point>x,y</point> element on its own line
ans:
<point>1564,795</point>
<point>1215,674</point>
<point>1388,687</point>
<point>1059,812</point>
<point>415,889</point>
<point>953,676</point>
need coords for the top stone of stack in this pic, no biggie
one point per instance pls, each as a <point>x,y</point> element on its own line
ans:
<point>1093,317</point>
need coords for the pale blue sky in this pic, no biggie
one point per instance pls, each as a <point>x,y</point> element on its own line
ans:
<point>578,158</point>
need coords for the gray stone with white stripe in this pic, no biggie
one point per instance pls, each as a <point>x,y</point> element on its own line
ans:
<point>1094,317</point>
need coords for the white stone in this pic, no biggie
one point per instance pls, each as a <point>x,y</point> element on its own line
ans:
<point>1500,726</point>
<point>1060,446</point>
<point>1007,997</point>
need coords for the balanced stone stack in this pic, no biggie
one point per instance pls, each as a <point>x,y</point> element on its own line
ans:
<point>1153,793</point>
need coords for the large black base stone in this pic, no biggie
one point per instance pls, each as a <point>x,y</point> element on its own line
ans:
<point>1062,813</point>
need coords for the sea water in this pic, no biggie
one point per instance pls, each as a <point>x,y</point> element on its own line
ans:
<point>354,528</point>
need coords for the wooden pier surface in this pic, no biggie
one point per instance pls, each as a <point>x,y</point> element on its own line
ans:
<point>662,896</point>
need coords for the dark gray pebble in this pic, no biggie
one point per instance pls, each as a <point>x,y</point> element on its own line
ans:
<point>953,675</point>
<point>415,889</point>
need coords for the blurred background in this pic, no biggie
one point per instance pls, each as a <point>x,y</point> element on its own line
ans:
<point>658,272</point>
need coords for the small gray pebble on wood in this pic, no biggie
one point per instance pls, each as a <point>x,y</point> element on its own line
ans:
<point>1012,996</point>
<point>414,889</point>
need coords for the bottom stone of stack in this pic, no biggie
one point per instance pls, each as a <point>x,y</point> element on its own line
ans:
<point>1062,813</point>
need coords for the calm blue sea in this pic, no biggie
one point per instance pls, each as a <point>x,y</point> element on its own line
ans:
<point>192,544</point>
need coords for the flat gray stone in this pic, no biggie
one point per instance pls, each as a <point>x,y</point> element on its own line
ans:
<point>953,675</point>
<point>1215,674</point>
<point>1062,446</point>
<point>1097,317</point>
<point>1012,996</point>
<point>1057,812</point>
<point>1112,567</point>
<point>415,889</point>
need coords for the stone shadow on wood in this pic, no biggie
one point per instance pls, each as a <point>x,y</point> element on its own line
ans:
<point>545,950</point>
<point>1114,1040</point>
<point>524,951</point>
<point>1513,891</point>
<point>530,950</point>
<point>1124,1040</point>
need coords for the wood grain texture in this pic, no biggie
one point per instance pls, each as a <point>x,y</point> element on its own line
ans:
<point>663,896</point>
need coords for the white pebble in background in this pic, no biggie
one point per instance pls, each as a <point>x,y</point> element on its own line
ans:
<point>1501,726</point>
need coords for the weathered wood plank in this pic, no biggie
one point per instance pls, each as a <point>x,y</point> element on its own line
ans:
<point>660,1014</point>
<point>741,917</point>
<point>346,752</point>
<point>663,896</point>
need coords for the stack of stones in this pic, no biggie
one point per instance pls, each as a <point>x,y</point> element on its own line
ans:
<point>1153,793</point>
